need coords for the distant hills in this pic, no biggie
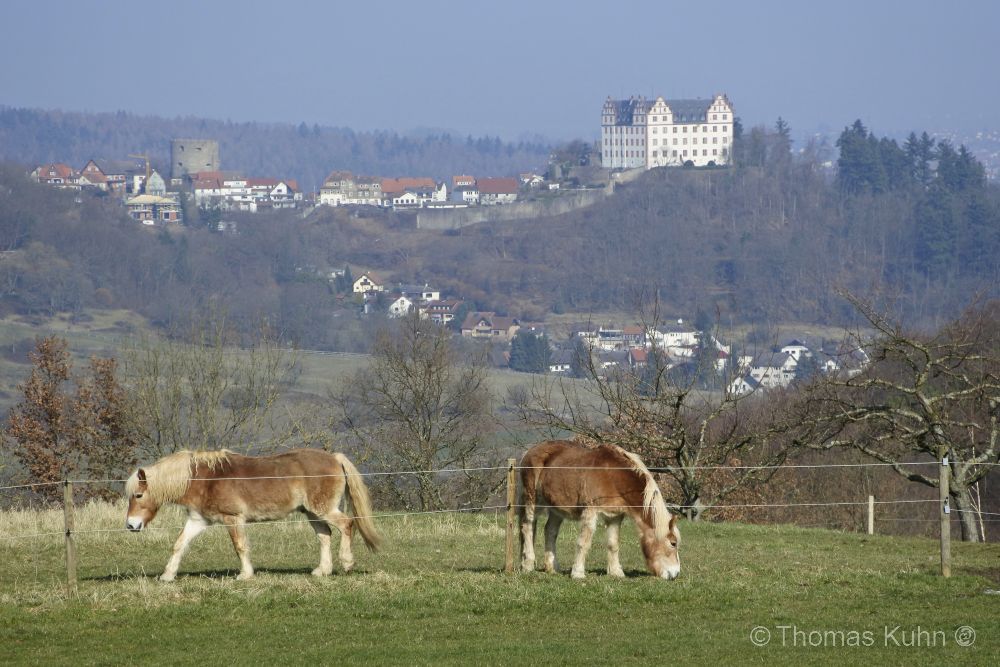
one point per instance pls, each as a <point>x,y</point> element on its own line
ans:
<point>305,153</point>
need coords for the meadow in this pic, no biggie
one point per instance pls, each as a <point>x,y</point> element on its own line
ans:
<point>436,594</point>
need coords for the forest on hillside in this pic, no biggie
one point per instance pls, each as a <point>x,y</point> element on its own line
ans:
<point>305,153</point>
<point>764,242</point>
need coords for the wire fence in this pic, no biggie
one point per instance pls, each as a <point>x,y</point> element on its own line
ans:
<point>70,531</point>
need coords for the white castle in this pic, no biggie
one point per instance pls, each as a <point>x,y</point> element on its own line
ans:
<point>641,134</point>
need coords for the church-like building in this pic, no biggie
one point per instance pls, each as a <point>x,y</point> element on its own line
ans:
<point>641,134</point>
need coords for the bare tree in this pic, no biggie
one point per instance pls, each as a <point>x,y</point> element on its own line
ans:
<point>204,392</point>
<point>921,395</point>
<point>417,408</point>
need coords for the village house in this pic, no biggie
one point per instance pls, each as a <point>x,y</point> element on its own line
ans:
<point>401,305</point>
<point>150,209</point>
<point>561,361</point>
<point>441,311</point>
<point>56,174</point>
<point>367,283</point>
<point>489,325</point>
<point>494,191</point>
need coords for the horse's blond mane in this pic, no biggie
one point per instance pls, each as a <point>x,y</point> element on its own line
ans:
<point>652,499</point>
<point>168,479</point>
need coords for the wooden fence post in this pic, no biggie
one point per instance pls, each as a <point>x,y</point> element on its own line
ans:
<point>945,513</point>
<point>871,515</point>
<point>68,521</point>
<point>511,500</point>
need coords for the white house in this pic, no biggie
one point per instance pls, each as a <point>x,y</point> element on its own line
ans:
<point>400,307</point>
<point>797,349</point>
<point>367,283</point>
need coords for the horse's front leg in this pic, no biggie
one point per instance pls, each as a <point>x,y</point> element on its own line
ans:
<point>194,526</point>
<point>588,524</point>
<point>614,564</point>
<point>238,534</point>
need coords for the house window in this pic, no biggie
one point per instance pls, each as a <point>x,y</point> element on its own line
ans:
<point>715,116</point>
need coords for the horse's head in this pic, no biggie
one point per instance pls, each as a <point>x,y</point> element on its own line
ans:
<point>662,555</point>
<point>141,506</point>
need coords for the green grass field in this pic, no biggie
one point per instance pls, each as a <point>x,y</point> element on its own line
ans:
<point>436,595</point>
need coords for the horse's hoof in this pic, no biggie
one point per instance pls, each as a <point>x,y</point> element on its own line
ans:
<point>617,574</point>
<point>243,576</point>
<point>167,578</point>
<point>319,572</point>
<point>577,575</point>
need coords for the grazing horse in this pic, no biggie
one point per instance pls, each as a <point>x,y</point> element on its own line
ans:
<point>231,489</point>
<point>583,483</point>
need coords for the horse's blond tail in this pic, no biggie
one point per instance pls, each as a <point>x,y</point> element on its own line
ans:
<point>360,502</point>
<point>652,500</point>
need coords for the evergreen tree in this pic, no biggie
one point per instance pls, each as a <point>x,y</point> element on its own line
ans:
<point>530,353</point>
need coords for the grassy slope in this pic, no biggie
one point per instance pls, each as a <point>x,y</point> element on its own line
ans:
<point>436,595</point>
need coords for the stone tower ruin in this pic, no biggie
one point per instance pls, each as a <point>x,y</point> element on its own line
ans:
<point>190,156</point>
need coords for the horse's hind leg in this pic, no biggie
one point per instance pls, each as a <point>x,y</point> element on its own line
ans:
<point>614,564</point>
<point>323,535</point>
<point>238,534</point>
<point>345,525</point>
<point>528,524</point>
<point>588,524</point>
<point>551,536</point>
<point>194,526</point>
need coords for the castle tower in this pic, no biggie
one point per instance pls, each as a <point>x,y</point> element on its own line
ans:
<point>190,156</point>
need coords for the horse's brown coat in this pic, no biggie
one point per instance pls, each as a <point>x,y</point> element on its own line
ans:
<point>581,483</point>
<point>232,489</point>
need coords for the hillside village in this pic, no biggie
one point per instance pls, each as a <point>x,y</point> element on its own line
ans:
<point>631,130</point>
<point>614,350</point>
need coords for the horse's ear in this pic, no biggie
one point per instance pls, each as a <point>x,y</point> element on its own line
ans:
<point>672,527</point>
<point>141,475</point>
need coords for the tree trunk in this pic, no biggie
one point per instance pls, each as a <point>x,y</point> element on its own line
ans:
<point>963,505</point>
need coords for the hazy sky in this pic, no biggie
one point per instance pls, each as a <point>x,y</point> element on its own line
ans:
<point>511,68</point>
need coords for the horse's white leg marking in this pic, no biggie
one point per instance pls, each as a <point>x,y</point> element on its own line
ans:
<point>551,535</point>
<point>345,525</point>
<point>528,523</point>
<point>325,558</point>
<point>588,524</point>
<point>195,524</point>
<point>614,565</point>
<point>238,534</point>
